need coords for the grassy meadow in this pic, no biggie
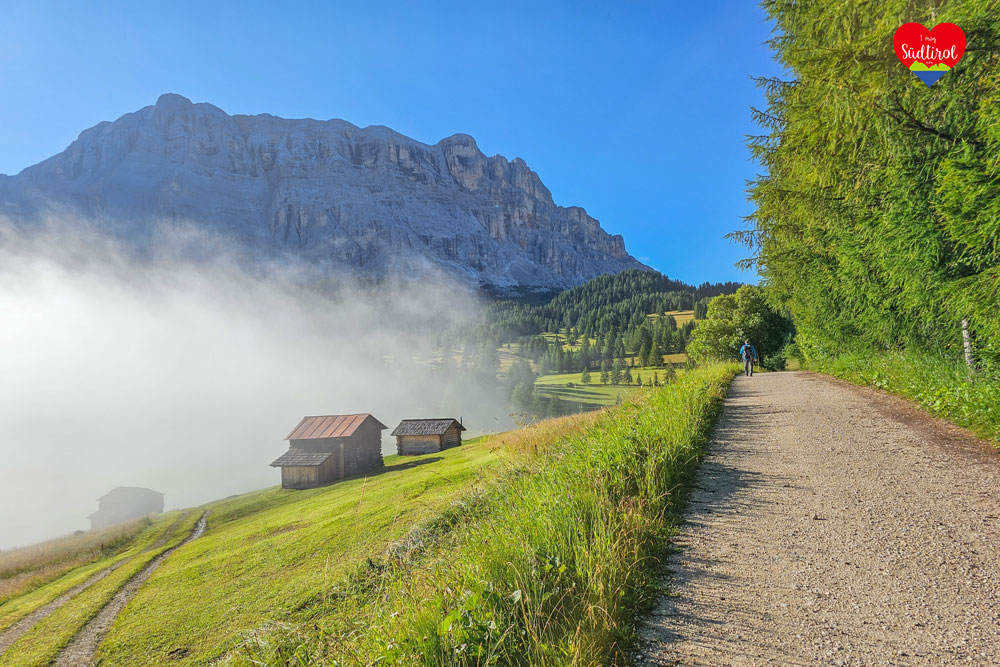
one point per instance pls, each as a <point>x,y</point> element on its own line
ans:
<point>580,397</point>
<point>532,546</point>
<point>25,569</point>
<point>548,565</point>
<point>276,556</point>
<point>41,644</point>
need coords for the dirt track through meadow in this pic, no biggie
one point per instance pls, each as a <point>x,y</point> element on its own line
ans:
<point>81,649</point>
<point>831,524</point>
<point>19,629</point>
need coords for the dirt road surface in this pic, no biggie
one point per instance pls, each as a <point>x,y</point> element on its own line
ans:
<point>831,524</point>
<point>21,628</point>
<point>81,649</point>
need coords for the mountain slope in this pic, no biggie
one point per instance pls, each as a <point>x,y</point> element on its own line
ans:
<point>369,200</point>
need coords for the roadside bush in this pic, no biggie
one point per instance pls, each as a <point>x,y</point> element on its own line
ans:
<point>733,318</point>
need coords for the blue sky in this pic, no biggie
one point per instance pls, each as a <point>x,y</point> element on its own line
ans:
<point>636,111</point>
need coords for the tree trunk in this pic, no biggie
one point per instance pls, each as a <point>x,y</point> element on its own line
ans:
<point>967,344</point>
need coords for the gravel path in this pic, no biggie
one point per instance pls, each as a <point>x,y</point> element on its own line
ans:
<point>19,629</point>
<point>831,524</point>
<point>80,651</point>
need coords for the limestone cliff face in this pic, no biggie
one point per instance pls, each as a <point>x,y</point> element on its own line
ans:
<point>370,200</point>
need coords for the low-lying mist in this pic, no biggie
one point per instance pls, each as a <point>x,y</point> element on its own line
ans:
<point>184,375</point>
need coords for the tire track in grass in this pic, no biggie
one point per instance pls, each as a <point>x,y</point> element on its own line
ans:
<point>81,649</point>
<point>19,629</point>
<point>168,533</point>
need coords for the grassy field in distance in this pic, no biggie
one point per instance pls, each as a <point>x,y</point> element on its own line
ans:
<point>596,395</point>
<point>682,317</point>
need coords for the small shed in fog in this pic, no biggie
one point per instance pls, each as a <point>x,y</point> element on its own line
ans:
<point>325,448</point>
<point>426,436</point>
<point>123,503</point>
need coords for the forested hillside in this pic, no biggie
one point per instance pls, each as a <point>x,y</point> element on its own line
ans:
<point>621,330</point>
<point>877,213</point>
<point>614,302</point>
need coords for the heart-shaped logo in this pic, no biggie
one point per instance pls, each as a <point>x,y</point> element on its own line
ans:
<point>929,53</point>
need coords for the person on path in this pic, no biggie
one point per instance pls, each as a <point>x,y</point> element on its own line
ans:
<point>749,356</point>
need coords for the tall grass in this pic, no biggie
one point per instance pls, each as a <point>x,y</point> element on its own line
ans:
<point>943,386</point>
<point>549,569</point>
<point>24,569</point>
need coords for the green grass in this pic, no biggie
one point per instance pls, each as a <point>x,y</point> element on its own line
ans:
<point>508,355</point>
<point>594,395</point>
<point>581,396</point>
<point>17,607</point>
<point>25,569</point>
<point>41,644</point>
<point>682,317</point>
<point>535,546</point>
<point>942,386</point>
<point>547,567</point>
<point>273,556</point>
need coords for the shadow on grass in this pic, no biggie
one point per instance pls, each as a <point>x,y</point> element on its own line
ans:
<point>402,466</point>
<point>588,399</point>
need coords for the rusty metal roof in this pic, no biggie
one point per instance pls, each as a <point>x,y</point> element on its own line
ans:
<point>330,426</point>
<point>300,457</point>
<point>426,426</point>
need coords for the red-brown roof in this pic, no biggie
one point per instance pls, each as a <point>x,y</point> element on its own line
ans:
<point>330,426</point>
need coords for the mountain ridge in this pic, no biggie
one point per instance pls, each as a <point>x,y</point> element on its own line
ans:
<point>369,200</point>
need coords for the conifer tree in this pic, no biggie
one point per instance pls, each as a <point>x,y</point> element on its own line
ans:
<point>555,408</point>
<point>877,213</point>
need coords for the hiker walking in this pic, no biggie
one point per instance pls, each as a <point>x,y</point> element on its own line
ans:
<point>749,355</point>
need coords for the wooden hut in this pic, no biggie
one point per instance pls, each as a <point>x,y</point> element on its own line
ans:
<point>325,448</point>
<point>426,436</point>
<point>123,503</point>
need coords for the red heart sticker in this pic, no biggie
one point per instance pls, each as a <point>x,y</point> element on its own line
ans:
<point>944,45</point>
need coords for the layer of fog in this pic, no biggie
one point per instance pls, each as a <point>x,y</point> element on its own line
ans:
<point>185,375</point>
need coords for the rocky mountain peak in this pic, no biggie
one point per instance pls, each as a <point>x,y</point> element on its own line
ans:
<point>328,192</point>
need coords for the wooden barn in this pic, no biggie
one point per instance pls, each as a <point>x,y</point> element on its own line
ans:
<point>326,448</point>
<point>123,503</point>
<point>426,436</point>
